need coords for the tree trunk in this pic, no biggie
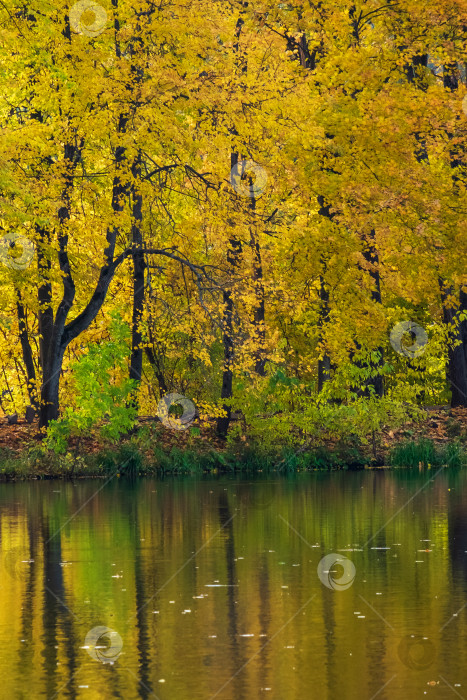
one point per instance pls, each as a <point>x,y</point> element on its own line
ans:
<point>456,367</point>
<point>233,258</point>
<point>154,361</point>
<point>49,407</point>
<point>371,256</point>
<point>308,60</point>
<point>259,310</point>
<point>456,370</point>
<point>234,251</point>
<point>44,297</point>
<point>136,359</point>
<point>324,364</point>
<point>52,331</point>
<point>27,351</point>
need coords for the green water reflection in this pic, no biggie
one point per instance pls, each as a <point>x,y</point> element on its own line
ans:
<point>211,588</point>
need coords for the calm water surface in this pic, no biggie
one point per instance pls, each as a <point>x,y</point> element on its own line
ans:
<point>194,589</point>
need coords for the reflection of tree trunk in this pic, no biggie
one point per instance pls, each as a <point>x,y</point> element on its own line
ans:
<point>264,616</point>
<point>457,535</point>
<point>54,614</point>
<point>226,523</point>
<point>25,659</point>
<point>333,679</point>
<point>376,654</point>
<point>144,637</point>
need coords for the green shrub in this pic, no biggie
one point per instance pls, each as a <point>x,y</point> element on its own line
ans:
<point>411,454</point>
<point>452,455</point>
<point>424,452</point>
<point>102,393</point>
<point>127,460</point>
<point>181,461</point>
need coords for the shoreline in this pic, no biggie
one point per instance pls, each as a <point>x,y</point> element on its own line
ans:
<point>438,440</point>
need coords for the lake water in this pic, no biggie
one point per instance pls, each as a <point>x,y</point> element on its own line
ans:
<point>201,588</point>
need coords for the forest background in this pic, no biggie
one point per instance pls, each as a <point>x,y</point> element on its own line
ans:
<point>260,207</point>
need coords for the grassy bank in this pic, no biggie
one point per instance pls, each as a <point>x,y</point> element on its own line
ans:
<point>440,439</point>
<point>131,459</point>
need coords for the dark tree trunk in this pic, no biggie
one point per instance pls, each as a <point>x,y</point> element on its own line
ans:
<point>456,367</point>
<point>223,422</point>
<point>324,364</point>
<point>234,252</point>
<point>259,310</point>
<point>371,256</point>
<point>136,359</point>
<point>53,347</point>
<point>44,295</point>
<point>456,370</point>
<point>50,386</point>
<point>27,351</point>
<point>463,324</point>
<point>308,60</point>
<point>233,258</point>
<point>55,333</point>
<point>156,365</point>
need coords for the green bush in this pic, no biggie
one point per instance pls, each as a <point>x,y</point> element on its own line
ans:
<point>102,393</point>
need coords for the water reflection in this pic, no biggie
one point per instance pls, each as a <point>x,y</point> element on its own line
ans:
<point>210,588</point>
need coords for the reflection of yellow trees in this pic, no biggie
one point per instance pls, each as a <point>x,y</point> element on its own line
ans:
<point>127,561</point>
